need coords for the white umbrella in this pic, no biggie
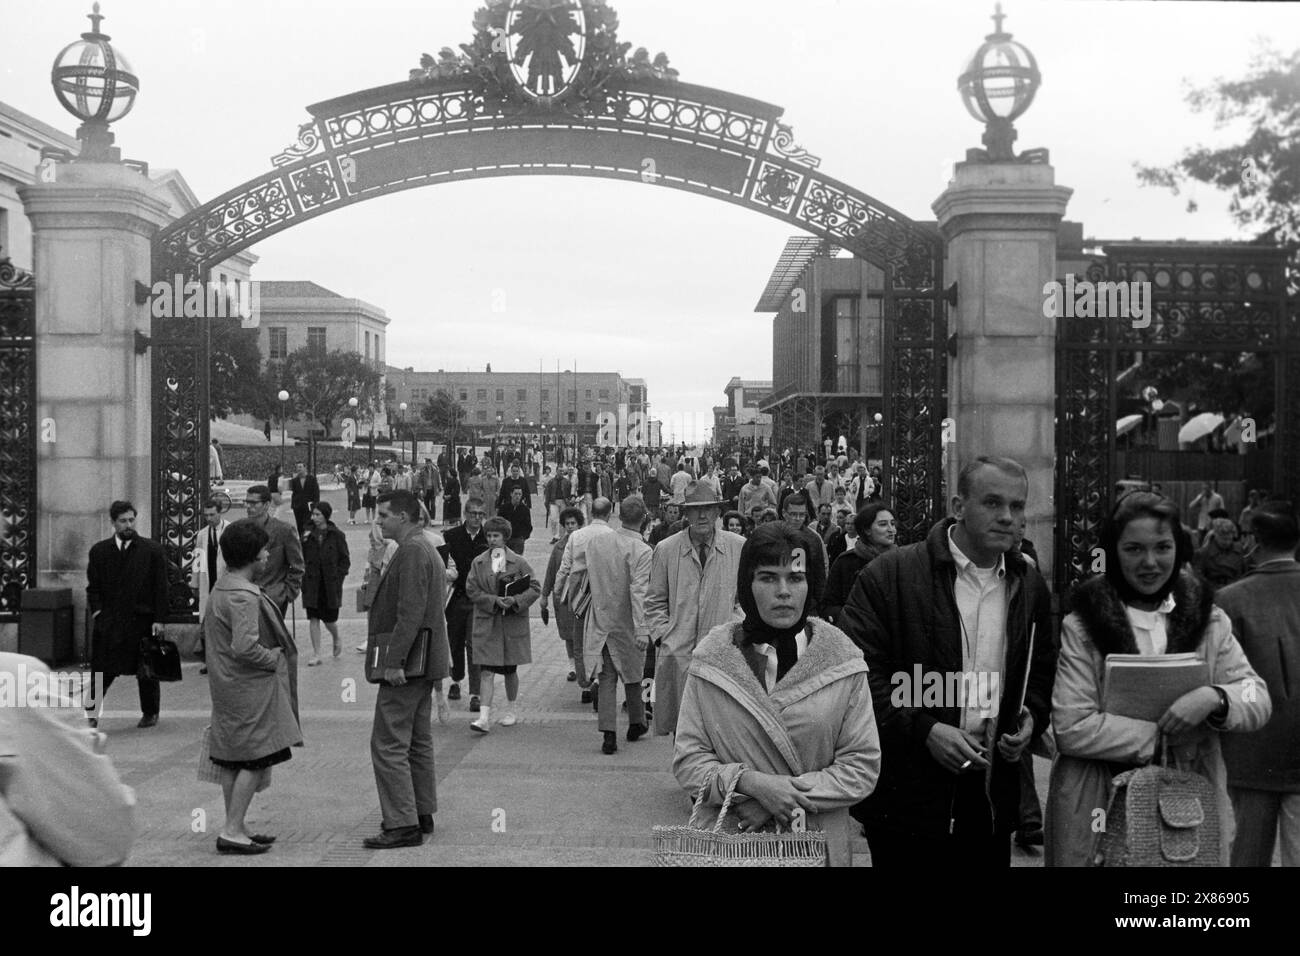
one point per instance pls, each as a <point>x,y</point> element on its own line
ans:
<point>1200,426</point>
<point>1127,424</point>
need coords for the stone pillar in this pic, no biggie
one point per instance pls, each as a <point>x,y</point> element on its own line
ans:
<point>91,233</point>
<point>1000,223</point>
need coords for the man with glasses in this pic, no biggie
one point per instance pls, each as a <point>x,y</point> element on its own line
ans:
<point>465,542</point>
<point>281,576</point>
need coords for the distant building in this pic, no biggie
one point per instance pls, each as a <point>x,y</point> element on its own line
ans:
<point>740,419</point>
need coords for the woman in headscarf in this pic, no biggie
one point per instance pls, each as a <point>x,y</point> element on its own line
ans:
<point>779,704</point>
<point>876,535</point>
<point>1148,601</point>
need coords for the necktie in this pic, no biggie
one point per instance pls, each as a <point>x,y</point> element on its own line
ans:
<point>212,557</point>
<point>704,554</point>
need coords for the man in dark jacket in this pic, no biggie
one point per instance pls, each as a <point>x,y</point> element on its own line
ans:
<point>945,626</point>
<point>465,542</point>
<point>1264,766</point>
<point>305,492</point>
<point>126,596</point>
<point>515,479</point>
<point>520,517</point>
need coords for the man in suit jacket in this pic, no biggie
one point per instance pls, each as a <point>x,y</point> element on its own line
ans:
<point>281,576</point>
<point>408,602</point>
<point>305,492</point>
<point>126,594</point>
<point>618,569</point>
<point>208,562</point>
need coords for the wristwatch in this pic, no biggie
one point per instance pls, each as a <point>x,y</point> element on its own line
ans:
<point>1221,713</point>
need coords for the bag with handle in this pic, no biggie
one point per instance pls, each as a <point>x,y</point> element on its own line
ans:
<point>1160,816</point>
<point>693,845</point>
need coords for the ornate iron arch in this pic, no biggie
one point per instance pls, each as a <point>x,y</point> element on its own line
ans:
<point>545,88</point>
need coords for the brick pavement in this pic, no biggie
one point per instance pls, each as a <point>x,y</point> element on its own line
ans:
<point>539,793</point>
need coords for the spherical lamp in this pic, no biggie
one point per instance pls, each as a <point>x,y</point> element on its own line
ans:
<point>96,84</point>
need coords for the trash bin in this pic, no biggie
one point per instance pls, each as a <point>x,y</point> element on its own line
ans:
<point>45,630</point>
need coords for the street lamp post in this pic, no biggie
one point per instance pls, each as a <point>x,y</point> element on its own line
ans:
<point>352,404</point>
<point>401,426</point>
<point>283,396</point>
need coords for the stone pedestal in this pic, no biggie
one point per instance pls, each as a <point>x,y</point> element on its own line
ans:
<point>1000,221</point>
<point>91,233</point>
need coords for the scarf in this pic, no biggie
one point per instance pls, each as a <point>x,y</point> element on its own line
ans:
<point>757,631</point>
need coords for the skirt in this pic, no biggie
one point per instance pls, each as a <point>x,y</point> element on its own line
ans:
<point>368,501</point>
<point>451,509</point>
<point>329,615</point>
<point>354,501</point>
<point>261,763</point>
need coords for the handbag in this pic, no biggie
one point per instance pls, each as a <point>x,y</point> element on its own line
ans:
<point>209,772</point>
<point>692,845</point>
<point>160,659</point>
<point>1160,816</point>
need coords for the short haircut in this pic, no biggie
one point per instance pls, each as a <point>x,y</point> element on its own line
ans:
<point>1219,513</point>
<point>567,513</point>
<point>473,502</point>
<point>211,503</point>
<point>498,525</point>
<point>1007,466</point>
<point>402,501</point>
<point>119,508</point>
<point>865,518</point>
<point>796,498</point>
<point>261,492</point>
<point>632,510</point>
<point>602,508</point>
<point>324,507</point>
<point>242,542</point>
<point>1275,526</point>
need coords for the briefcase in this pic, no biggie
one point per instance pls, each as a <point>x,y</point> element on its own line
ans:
<point>417,660</point>
<point>160,659</point>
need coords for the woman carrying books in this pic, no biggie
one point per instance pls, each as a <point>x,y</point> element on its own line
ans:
<point>501,586</point>
<point>1148,602</point>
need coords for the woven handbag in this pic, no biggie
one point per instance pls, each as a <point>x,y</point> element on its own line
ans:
<point>692,845</point>
<point>1160,816</point>
<point>209,772</point>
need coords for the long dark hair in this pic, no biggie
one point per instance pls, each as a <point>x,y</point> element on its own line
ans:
<point>1143,504</point>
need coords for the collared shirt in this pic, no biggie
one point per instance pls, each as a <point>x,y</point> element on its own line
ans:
<point>769,651</point>
<point>982,604</point>
<point>1149,627</point>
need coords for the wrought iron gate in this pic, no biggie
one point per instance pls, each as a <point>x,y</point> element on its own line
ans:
<point>17,438</point>
<point>1205,298</point>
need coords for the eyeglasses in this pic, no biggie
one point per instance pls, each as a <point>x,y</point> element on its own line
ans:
<point>476,514</point>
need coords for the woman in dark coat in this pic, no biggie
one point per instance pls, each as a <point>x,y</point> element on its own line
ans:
<point>325,556</point>
<point>252,663</point>
<point>876,533</point>
<point>451,499</point>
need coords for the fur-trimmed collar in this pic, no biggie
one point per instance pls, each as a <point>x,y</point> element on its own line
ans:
<point>830,655</point>
<point>1101,611</point>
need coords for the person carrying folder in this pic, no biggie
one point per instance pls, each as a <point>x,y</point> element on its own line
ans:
<point>407,608</point>
<point>1147,602</point>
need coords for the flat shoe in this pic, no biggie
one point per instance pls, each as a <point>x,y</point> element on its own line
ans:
<point>261,838</point>
<point>509,720</point>
<point>314,662</point>
<point>240,849</point>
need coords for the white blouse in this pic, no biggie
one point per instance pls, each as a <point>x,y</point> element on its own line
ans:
<point>1149,626</point>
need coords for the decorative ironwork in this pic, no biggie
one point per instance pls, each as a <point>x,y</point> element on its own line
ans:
<point>1204,298</point>
<point>17,437</point>
<point>465,116</point>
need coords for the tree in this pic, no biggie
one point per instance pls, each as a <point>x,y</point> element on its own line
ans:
<point>445,414</point>
<point>1263,172</point>
<point>320,383</point>
<point>235,371</point>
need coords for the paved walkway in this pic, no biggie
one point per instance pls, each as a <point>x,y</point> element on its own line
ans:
<point>539,793</point>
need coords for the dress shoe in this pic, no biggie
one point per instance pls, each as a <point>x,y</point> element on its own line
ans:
<point>586,697</point>
<point>1033,837</point>
<point>261,838</point>
<point>242,849</point>
<point>453,692</point>
<point>394,839</point>
<point>426,823</point>
<point>636,732</point>
<point>573,675</point>
<point>94,722</point>
<point>203,670</point>
<point>610,746</point>
<point>148,720</point>
<point>473,703</point>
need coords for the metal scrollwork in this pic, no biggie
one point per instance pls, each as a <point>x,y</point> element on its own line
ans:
<point>18,437</point>
<point>308,143</point>
<point>783,142</point>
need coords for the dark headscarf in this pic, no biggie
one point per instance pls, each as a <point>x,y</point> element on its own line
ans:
<point>773,544</point>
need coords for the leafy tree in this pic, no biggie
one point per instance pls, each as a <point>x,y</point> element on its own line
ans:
<point>1223,382</point>
<point>320,384</point>
<point>1263,172</point>
<point>447,415</point>
<point>235,372</point>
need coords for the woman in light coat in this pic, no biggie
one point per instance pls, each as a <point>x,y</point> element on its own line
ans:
<point>779,705</point>
<point>252,667</point>
<point>500,628</point>
<point>1147,602</point>
<point>565,621</point>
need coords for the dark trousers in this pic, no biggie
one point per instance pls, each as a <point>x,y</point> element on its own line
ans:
<point>607,709</point>
<point>1031,810</point>
<point>1262,816</point>
<point>301,515</point>
<point>972,844</point>
<point>516,545</point>
<point>460,619</point>
<point>401,750</point>
<point>150,693</point>
<point>431,502</point>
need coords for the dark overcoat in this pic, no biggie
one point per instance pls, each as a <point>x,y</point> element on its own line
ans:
<point>129,589</point>
<point>325,554</point>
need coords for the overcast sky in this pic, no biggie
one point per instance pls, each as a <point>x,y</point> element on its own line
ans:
<point>654,283</point>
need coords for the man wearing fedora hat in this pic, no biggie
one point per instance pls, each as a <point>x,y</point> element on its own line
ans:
<point>692,590</point>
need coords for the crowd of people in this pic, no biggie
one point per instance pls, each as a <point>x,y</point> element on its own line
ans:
<point>772,626</point>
